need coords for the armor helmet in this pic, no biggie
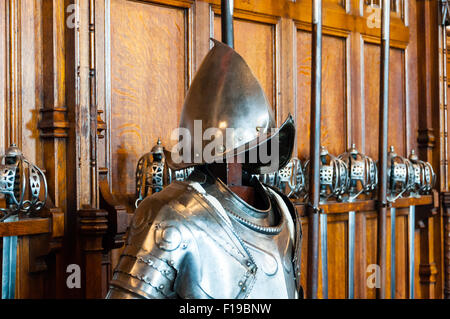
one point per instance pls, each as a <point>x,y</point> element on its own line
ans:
<point>224,95</point>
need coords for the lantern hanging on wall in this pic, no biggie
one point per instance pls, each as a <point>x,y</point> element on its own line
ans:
<point>424,177</point>
<point>22,183</point>
<point>401,175</point>
<point>363,173</point>
<point>333,176</point>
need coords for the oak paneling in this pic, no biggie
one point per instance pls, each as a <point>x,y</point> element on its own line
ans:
<point>402,255</point>
<point>371,248</point>
<point>334,93</point>
<point>148,82</point>
<point>397,117</point>
<point>258,50</point>
<point>338,256</point>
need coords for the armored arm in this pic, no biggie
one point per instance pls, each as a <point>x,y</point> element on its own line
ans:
<point>150,263</point>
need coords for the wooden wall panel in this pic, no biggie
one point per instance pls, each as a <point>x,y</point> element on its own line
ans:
<point>371,248</point>
<point>148,82</point>
<point>304,256</point>
<point>338,256</point>
<point>397,115</point>
<point>402,255</point>
<point>334,93</point>
<point>255,41</point>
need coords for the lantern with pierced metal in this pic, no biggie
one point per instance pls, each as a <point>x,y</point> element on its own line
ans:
<point>400,175</point>
<point>22,183</point>
<point>150,173</point>
<point>424,177</point>
<point>334,177</point>
<point>362,172</point>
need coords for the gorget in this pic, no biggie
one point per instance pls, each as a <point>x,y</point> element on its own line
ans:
<point>197,239</point>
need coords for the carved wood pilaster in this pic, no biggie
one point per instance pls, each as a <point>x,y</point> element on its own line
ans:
<point>432,137</point>
<point>13,73</point>
<point>446,234</point>
<point>93,225</point>
<point>93,112</point>
<point>54,123</point>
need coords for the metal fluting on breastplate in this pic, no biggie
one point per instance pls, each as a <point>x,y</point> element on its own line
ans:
<point>267,230</point>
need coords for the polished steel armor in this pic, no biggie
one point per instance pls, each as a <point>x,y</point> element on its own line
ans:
<point>197,239</point>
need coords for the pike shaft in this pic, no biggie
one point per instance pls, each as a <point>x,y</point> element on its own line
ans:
<point>314,191</point>
<point>383,144</point>
<point>227,22</point>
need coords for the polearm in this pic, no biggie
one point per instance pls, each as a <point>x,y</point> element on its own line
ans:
<point>227,7</point>
<point>234,168</point>
<point>314,189</point>
<point>383,145</point>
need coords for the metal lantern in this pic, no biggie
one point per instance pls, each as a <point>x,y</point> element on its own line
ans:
<point>401,175</point>
<point>21,182</point>
<point>362,172</point>
<point>424,177</point>
<point>150,173</point>
<point>334,177</point>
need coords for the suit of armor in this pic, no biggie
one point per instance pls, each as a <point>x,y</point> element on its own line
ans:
<point>198,239</point>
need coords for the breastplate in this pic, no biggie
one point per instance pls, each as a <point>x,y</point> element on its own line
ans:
<point>275,278</point>
<point>266,236</point>
<point>197,240</point>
